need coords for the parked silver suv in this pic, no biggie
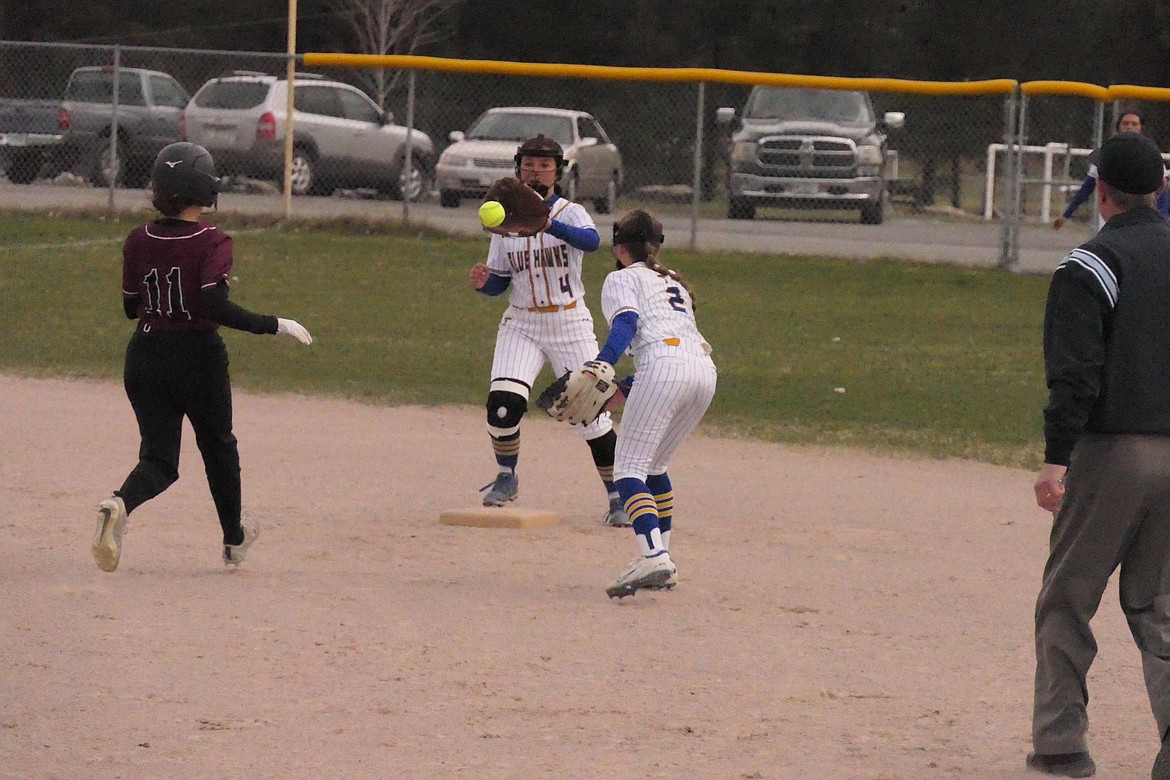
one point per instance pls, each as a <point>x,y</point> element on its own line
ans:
<point>341,139</point>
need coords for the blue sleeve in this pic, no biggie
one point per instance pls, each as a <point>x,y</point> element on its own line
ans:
<point>620,336</point>
<point>585,239</point>
<point>1083,194</point>
<point>495,284</point>
<point>1164,204</point>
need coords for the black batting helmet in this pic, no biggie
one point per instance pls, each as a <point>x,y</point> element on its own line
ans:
<point>638,227</point>
<point>184,172</point>
<point>541,146</point>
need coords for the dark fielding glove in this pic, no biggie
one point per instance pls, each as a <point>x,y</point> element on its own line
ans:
<point>525,212</point>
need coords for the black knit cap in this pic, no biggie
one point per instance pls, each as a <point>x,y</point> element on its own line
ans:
<point>1131,163</point>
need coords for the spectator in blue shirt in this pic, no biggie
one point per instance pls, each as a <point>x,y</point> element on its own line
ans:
<point>1130,121</point>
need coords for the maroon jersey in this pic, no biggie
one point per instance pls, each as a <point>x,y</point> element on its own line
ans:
<point>167,264</point>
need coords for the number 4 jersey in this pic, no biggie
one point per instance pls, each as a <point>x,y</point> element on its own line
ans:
<point>666,313</point>
<point>167,265</point>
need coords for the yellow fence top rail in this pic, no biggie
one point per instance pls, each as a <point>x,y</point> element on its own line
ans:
<point>616,73</point>
<point>1073,88</point>
<point>1130,92</point>
<point>499,67</point>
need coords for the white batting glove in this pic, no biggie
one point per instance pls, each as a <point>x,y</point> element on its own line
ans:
<point>293,328</point>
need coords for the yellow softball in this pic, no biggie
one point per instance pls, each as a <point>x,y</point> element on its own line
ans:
<point>491,213</point>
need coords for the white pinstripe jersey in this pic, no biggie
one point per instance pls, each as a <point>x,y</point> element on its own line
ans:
<point>545,271</point>
<point>664,307</point>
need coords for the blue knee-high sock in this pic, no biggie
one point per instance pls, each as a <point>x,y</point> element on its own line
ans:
<point>507,451</point>
<point>643,512</point>
<point>659,486</point>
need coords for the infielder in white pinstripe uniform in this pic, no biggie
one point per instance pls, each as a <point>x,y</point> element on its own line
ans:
<point>546,321</point>
<point>651,314</point>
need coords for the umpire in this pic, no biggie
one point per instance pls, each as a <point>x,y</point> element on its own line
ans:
<point>1106,473</point>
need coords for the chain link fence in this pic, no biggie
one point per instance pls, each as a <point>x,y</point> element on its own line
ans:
<point>998,162</point>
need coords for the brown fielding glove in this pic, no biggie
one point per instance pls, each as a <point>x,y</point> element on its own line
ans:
<point>525,212</point>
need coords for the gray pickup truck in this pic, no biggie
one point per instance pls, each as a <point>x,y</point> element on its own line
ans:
<point>149,106</point>
<point>30,137</point>
<point>797,147</point>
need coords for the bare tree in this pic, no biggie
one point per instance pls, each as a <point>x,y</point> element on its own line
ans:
<point>392,27</point>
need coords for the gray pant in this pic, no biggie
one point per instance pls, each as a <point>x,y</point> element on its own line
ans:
<point>1116,512</point>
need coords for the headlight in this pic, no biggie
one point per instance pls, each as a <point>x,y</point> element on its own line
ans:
<point>453,160</point>
<point>869,155</point>
<point>743,152</point>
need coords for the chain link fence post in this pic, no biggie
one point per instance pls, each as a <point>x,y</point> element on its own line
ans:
<point>112,168</point>
<point>1011,109</point>
<point>408,163</point>
<point>697,172</point>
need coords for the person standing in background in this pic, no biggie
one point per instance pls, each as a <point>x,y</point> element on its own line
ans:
<point>1129,122</point>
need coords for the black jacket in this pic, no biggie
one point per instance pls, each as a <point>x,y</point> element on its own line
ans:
<point>1107,335</point>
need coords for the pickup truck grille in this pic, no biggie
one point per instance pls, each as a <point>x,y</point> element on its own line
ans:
<point>808,157</point>
<point>481,162</point>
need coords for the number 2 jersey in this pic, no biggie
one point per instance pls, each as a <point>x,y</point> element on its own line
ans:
<point>666,313</point>
<point>175,277</point>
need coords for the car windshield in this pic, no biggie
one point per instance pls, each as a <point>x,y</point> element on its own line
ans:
<point>508,126</point>
<point>231,94</point>
<point>824,105</point>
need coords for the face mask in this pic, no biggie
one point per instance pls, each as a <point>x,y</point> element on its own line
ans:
<point>541,189</point>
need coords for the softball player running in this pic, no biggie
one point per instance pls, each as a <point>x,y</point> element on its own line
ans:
<point>546,321</point>
<point>175,274</point>
<point>651,313</point>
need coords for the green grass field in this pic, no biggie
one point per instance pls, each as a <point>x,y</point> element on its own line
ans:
<point>932,360</point>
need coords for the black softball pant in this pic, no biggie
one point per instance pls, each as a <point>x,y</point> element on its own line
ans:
<point>169,376</point>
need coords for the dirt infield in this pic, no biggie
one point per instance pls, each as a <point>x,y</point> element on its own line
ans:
<point>839,615</point>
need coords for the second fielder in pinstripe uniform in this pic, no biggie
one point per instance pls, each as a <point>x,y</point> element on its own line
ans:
<point>651,314</point>
<point>546,321</point>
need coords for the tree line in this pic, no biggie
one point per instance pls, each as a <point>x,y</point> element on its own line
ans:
<point>1120,41</point>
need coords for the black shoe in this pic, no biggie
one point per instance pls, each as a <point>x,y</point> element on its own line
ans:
<point>1063,764</point>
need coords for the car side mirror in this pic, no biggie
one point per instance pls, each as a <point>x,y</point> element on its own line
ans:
<point>587,141</point>
<point>894,120</point>
<point>724,115</point>
<point>455,136</point>
<point>387,117</point>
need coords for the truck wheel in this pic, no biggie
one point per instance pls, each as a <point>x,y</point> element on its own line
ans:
<point>873,213</point>
<point>449,199</point>
<point>607,204</point>
<point>737,208</point>
<point>105,169</point>
<point>24,167</point>
<point>137,173</point>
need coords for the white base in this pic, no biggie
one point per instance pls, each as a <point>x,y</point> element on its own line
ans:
<point>499,517</point>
